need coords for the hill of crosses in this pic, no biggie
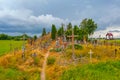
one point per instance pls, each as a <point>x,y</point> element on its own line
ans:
<point>65,53</point>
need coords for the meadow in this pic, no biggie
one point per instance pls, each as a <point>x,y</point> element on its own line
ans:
<point>101,71</point>
<point>9,45</point>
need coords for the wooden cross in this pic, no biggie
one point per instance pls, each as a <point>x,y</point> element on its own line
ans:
<point>90,55</point>
<point>72,36</point>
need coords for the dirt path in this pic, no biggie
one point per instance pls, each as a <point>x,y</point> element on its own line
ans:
<point>44,66</point>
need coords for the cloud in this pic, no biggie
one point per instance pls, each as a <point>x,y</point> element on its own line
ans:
<point>115,30</point>
<point>18,16</point>
<point>48,19</point>
<point>20,21</point>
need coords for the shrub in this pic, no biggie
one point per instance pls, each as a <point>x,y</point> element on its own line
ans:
<point>56,50</point>
<point>76,46</point>
<point>36,60</point>
<point>51,60</point>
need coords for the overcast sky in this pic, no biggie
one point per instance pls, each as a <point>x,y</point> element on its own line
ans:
<point>30,16</point>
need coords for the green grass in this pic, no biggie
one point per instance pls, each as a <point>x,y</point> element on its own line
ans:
<point>112,41</point>
<point>10,74</point>
<point>5,46</point>
<point>14,74</point>
<point>102,71</point>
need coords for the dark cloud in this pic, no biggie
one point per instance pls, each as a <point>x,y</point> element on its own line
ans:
<point>31,16</point>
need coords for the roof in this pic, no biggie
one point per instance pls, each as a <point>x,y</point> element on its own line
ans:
<point>109,34</point>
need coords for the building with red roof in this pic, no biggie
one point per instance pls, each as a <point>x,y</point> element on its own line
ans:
<point>109,36</point>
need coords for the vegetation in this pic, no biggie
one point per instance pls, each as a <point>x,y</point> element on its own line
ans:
<point>7,37</point>
<point>44,32</point>
<point>35,37</point>
<point>60,31</point>
<point>76,46</point>
<point>86,28</point>
<point>102,71</point>
<point>53,32</point>
<point>50,60</point>
<point>14,74</point>
<point>11,74</point>
<point>9,45</point>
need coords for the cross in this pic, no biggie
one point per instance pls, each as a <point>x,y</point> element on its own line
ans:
<point>23,47</point>
<point>90,55</point>
<point>115,52</point>
<point>72,36</point>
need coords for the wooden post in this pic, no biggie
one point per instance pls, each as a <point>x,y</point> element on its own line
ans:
<point>23,47</point>
<point>73,55</point>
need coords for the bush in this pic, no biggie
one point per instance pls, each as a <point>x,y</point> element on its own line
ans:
<point>51,60</point>
<point>36,60</point>
<point>56,50</point>
<point>76,46</point>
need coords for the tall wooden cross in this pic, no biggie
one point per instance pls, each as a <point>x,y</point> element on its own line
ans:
<point>73,49</point>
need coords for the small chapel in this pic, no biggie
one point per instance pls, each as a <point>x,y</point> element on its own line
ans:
<point>109,36</point>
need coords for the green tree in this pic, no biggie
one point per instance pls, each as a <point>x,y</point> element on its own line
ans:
<point>53,32</point>
<point>35,37</point>
<point>87,26</point>
<point>69,29</point>
<point>3,36</point>
<point>60,31</point>
<point>76,30</point>
<point>69,26</point>
<point>44,32</point>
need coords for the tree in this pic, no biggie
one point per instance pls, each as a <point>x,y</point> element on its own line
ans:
<point>87,26</point>
<point>35,37</point>
<point>44,32</point>
<point>3,36</point>
<point>76,30</point>
<point>69,29</point>
<point>60,31</point>
<point>69,26</point>
<point>53,32</point>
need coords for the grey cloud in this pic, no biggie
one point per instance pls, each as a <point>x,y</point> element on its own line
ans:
<point>115,31</point>
<point>33,15</point>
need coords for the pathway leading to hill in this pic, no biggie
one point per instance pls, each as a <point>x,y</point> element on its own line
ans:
<point>44,66</point>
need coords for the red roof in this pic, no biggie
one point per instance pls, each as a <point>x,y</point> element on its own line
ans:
<point>109,34</point>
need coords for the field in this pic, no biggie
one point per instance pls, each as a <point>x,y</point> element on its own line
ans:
<point>112,41</point>
<point>9,45</point>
